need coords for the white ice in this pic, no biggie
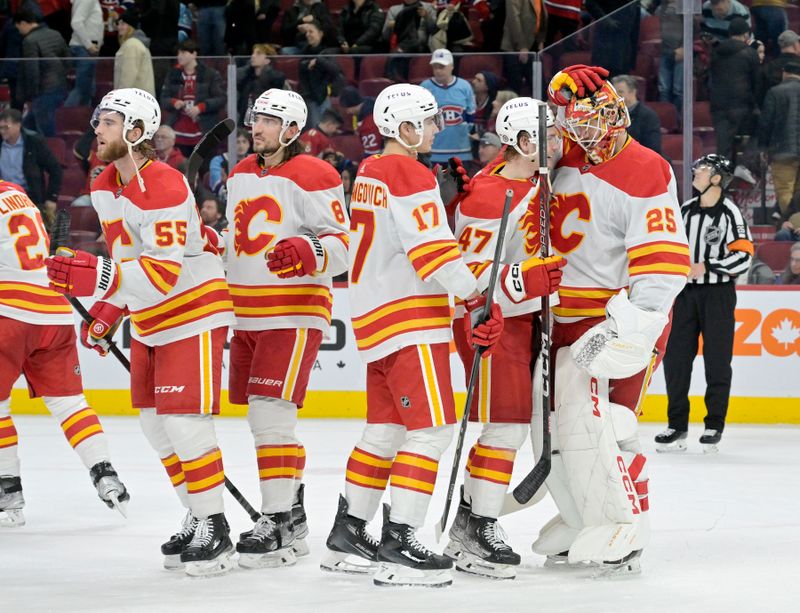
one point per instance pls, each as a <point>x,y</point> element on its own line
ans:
<point>726,534</point>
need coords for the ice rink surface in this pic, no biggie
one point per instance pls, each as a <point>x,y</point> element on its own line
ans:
<point>726,534</point>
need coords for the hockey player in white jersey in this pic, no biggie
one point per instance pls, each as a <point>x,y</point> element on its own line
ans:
<point>171,281</point>
<point>38,341</point>
<point>502,399</point>
<point>616,218</point>
<point>288,208</point>
<point>404,268</point>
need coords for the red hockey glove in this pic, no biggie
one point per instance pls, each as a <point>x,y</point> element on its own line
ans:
<point>463,183</point>
<point>296,256</point>
<point>532,278</point>
<point>578,80</point>
<point>106,318</point>
<point>79,273</point>
<point>483,334</point>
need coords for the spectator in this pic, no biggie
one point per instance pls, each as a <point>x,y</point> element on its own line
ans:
<point>212,212</point>
<point>87,37</point>
<point>164,143</point>
<point>295,19</point>
<point>456,100</point>
<point>159,20</point>
<point>211,26</point>
<point>318,140</point>
<point>791,276</point>
<point>670,66</point>
<point>112,9</point>
<point>258,77</point>
<point>563,19</point>
<point>408,26</point>
<point>503,96</point>
<point>717,16</point>
<point>334,158</point>
<point>25,160</point>
<point>267,14</point>
<point>318,39</point>
<point>240,26</point>
<point>453,30</point>
<point>484,86</point>
<point>525,31</point>
<point>769,20</point>
<point>779,134</point>
<point>42,81</point>
<point>192,97</point>
<point>734,86</point>
<point>320,77</point>
<point>185,23</point>
<point>348,174</point>
<point>360,109</point>
<point>760,273</point>
<point>360,26</point>
<point>645,125</point>
<point>489,146</point>
<point>790,229</point>
<point>133,64</point>
<point>615,38</point>
<point>220,166</point>
<point>789,43</point>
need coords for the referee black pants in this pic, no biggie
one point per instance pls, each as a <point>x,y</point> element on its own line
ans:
<point>706,309</point>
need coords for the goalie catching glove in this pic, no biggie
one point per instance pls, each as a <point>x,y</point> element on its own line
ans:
<point>106,318</point>
<point>623,344</point>
<point>79,273</point>
<point>577,80</point>
<point>532,278</point>
<point>482,333</point>
<point>297,256</point>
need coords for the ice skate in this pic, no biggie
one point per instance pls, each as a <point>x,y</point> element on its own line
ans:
<point>176,544</point>
<point>351,549</point>
<point>628,566</point>
<point>109,488</point>
<point>11,502</point>
<point>710,440</point>
<point>209,552</point>
<point>670,441</point>
<point>403,560</point>
<point>485,551</point>
<point>300,546</point>
<point>458,530</point>
<point>269,544</point>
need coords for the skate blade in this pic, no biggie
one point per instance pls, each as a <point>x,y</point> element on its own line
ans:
<point>676,447</point>
<point>632,568</point>
<point>119,506</point>
<point>220,565</point>
<point>454,550</point>
<point>397,575</point>
<point>474,565</point>
<point>347,563</point>
<point>710,449</point>
<point>561,563</point>
<point>273,559</point>
<point>300,548</point>
<point>173,562</point>
<point>12,518</point>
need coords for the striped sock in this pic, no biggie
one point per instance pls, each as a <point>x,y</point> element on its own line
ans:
<point>413,477</point>
<point>205,477</point>
<point>80,426</point>
<point>365,480</point>
<point>490,473</point>
<point>277,472</point>
<point>9,460</point>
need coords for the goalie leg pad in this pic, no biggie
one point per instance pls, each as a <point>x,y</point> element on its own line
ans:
<point>81,427</point>
<point>490,466</point>
<point>153,430</point>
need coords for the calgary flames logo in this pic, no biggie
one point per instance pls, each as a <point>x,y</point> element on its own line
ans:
<point>529,225</point>
<point>244,214</point>
<point>563,206</point>
<point>115,231</point>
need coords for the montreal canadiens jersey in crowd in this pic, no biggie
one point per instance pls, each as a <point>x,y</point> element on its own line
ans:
<point>25,294</point>
<point>478,219</point>
<point>457,104</point>
<point>266,205</point>
<point>172,281</point>
<point>618,225</point>
<point>404,260</point>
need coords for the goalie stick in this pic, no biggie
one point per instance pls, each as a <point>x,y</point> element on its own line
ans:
<point>207,145</point>
<point>536,478</point>
<point>476,360</point>
<point>58,239</point>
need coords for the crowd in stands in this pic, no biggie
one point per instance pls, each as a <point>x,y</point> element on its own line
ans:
<point>339,54</point>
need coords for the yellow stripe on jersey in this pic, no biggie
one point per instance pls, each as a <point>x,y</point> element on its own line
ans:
<point>638,252</point>
<point>413,324</point>
<point>399,305</point>
<point>664,268</point>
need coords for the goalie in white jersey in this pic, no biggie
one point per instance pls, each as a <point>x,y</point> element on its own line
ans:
<point>287,207</point>
<point>404,268</point>
<point>616,219</point>
<point>170,279</point>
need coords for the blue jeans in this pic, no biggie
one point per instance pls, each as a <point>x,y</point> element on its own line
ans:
<point>670,80</point>
<point>211,30</point>
<point>84,89</point>
<point>769,22</point>
<point>42,117</point>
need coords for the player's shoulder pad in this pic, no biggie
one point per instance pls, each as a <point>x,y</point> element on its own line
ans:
<point>488,195</point>
<point>309,173</point>
<point>165,188</point>
<point>638,171</point>
<point>247,165</point>
<point>403,175</point>
<point>8,186</point>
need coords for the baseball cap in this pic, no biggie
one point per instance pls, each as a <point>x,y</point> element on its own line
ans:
<point>787,38</point>
<point>738,26</point>
<point>490,138</point>
<point>442,56</point>
<point>350,97</point>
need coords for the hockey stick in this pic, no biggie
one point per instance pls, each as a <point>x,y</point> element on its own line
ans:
<point>534,480</point>
<point>206,145</point>
<point>476,360</point>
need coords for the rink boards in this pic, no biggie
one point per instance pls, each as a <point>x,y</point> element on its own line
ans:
<point>766,369</point>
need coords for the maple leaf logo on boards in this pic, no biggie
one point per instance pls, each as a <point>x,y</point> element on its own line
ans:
<point>785,332</point>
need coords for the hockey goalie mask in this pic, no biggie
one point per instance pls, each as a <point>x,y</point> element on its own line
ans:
<point>593,122</point>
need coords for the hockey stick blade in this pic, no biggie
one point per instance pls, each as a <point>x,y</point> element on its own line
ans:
<point>511,505</point>
<point>532,481</point>
<point>60,233</point>
<point>207,144</point>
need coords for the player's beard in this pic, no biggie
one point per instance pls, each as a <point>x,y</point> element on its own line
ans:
<point>265,150</point>
<point>113,151</point>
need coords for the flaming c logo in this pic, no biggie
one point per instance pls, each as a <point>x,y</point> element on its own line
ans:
<point>115,231</point>
<point>529,225</point>
<point>244,214</point>
<point>563,206</point>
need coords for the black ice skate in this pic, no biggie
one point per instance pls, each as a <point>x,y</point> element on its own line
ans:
<point>403,560</point>
<point>109,488</point>
<point>671,440</point>
<point>630,565</point>
<point>209,552</point>
<point>485,551</point>
<point>300,523</point>
<point>458,530</point>
<point>351,549</point>
<point>710,440</point>
<point>11,502</point>
<point>176,544</point>
<point>269,544</point>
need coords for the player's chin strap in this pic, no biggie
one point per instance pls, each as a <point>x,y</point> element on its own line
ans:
<point>412,147</point>
<point>139,179</point>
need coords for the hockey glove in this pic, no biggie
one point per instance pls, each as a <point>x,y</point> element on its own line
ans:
<point>79,273</point>
<point>482,334</point>
<point>455,168</point>
<point>577,80</point>
<point>532,278</point>
<point>106,318</point>
<point>296,256</point>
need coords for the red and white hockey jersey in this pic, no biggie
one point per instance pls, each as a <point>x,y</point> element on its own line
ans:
<point>618,225</point>
<point>405,262</point>
<point>172,281</point>
<point>25,294</point>
<point>266,205</point>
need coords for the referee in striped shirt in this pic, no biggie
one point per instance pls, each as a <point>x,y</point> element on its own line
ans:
<point>721,249</point>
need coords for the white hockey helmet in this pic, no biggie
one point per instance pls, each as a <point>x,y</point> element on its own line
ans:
<point>288,106</point>
<point>521,115</point>
<point>402,103</point>
<point>134,105</point>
